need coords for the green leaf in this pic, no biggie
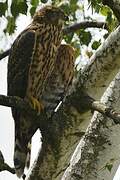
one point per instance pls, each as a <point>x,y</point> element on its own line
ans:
<point>96,44</point>
<point>14,9</point>
<point>109,17</point>
<point>104,10</point>
<point>73,1</point>
<point>32,10</point>
<point>73,5</point>
<point>109,167</point>
<point>10,25</point>
<point>97,8</point>
<point>34,2</point>
<point>23,7</point>
<point>85,37</point>
<point>18,6</point>
<point>66,8</point>
<point>96,4</point>
<point>3,8</point>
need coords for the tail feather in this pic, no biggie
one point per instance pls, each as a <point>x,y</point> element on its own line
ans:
<point>21,157</point>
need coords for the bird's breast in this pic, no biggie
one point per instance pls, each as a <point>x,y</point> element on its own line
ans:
<point>46,43</point>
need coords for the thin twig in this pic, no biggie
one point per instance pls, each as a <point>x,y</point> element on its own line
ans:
<point>109,112</point>
<point>4,54</point>
<point>84,25</point>
<point>87,103</point>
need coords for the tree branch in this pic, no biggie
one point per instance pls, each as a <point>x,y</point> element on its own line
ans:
<point>84,25</point>
<point>86,103</point>
<point>4,54</point>
<point>19,103</point>
<point>105,110</point>
<point>115,6</point>
<point>71,28</point>
<point>16,102</point>
<point>83,102</point>
<point>4,166</point>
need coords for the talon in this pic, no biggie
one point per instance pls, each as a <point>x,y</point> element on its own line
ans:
<point>36,104</point>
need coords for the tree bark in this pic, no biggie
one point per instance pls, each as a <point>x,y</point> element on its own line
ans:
<point>97,155</point>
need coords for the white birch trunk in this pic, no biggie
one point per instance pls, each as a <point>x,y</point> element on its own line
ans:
<point>100,145</point>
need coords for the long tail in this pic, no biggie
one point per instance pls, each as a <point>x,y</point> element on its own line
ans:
<point>22,156</point>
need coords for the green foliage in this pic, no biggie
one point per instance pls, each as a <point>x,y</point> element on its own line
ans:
<point>3,8</point>
<point>95,4</point>
<point>19,6</point>
<point>76,39</point>
<point>104,10</point>
<point>66,8</point>
<point>32,10</point>
<point>34,4</point>
<point>110,19</point>
<point>70,8</point>
<point>109,167</point>
<point>85,37</point>
<point>10,25</point>
<point>73,5</point>
<point>96,44</point>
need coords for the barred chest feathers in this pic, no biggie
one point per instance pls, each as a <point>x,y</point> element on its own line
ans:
<point>47,41</point>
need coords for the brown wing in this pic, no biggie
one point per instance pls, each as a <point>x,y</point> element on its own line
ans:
<point>65,64</point>
<point>60,79</point>
<point>18,65</point>
<point>18,68</point>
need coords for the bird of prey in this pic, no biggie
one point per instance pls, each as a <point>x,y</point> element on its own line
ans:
<point>31,62</point>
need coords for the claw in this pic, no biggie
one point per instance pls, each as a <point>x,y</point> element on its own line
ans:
<point>37,105</point>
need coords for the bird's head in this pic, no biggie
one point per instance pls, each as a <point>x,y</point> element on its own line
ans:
<point>50,15</point>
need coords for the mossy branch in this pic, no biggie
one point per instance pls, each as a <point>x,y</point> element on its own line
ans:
<point>22,105</point>
<point>86,103</point>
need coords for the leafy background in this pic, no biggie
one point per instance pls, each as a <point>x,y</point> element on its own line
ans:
<point>76,9</point>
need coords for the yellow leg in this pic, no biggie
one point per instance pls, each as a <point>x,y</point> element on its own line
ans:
<point>37,105</point>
